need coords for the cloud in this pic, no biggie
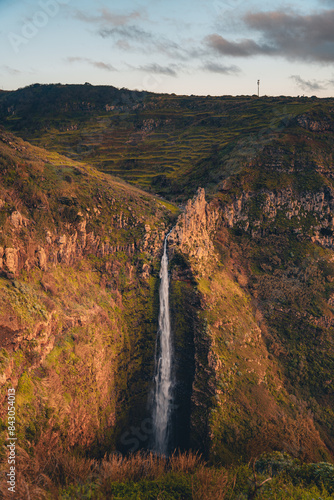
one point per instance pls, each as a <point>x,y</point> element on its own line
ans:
<point>10,70</point>
<point>160,70</point>
<point>102,65</point>
<point>220,68</point>
<point>108,18</point>
<point>173,50</point>
<point>311,86</point>
<point>127,34</point>
<point>96,64</point>
<point>244,48</point>
<point>137,39</point>
<point>286,34</point>
<point>130,33</point>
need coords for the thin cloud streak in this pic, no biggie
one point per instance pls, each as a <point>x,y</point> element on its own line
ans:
<point>107,18</point>
<point>10,70</point>
<point>159,70</point>
<point>311,85</point>
<point>96,64</point>
<point>220,68</point>
<point>137,39</point>
<point>130,33</point>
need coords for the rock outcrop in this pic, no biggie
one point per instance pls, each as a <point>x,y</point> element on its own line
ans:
<point>68,247</point>
<point>309,213</point>
<point>313,125</point>
<point>192,234</point>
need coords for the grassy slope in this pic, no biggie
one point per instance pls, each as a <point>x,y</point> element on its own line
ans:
<point>271,344</point>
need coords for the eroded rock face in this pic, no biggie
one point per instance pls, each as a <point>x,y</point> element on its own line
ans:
<point>296,208</point>
<point>237,307</point>
<point>17,220</point>
<point>67,248</point>
<point>11,260</point>
<point>82,235</point>
<point>192,233</point>
<point>153,240</point>
<point>314,125</point>
<point>42,259</point>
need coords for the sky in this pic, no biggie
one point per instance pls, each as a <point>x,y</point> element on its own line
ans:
<point>200,47</point>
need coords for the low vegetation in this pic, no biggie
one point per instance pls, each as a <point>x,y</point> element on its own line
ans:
<point>56,475</point>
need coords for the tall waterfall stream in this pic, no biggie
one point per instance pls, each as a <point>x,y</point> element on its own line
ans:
<point>163,383</point>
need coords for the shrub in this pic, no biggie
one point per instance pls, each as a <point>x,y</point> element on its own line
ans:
<point>275,463</point>
<point>321,474</point>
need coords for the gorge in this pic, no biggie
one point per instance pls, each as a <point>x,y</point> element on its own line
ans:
<point>243,363</point>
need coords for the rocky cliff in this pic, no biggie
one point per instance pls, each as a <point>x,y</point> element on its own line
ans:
<point>245,394</point>
<point>309,213</point>
<point>78,279</point>
<point>192,234</point>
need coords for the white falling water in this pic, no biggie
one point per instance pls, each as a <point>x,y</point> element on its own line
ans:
<point>163,365</point>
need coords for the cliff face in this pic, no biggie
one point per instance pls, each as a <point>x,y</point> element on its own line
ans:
<point>247,392</point>
<point>69,244</point>
<point>66,248</point>
<point>79,256</point>
<point>192,234</point>
<point>309,214</point>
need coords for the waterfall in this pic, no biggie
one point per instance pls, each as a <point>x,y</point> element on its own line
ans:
<point>162,402</point>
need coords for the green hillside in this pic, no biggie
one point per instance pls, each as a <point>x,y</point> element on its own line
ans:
<point>165,143</point>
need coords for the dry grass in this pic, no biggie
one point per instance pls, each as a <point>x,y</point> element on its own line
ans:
<point>146,465</point>
<point>60,466</point>
<point>209,484</point>
<point>52,474</point>
<point>50,467</point>
<point>132,468</point>
<point>186,462</point>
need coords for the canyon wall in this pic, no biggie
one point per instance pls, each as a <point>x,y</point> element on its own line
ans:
<point>245,397</point>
